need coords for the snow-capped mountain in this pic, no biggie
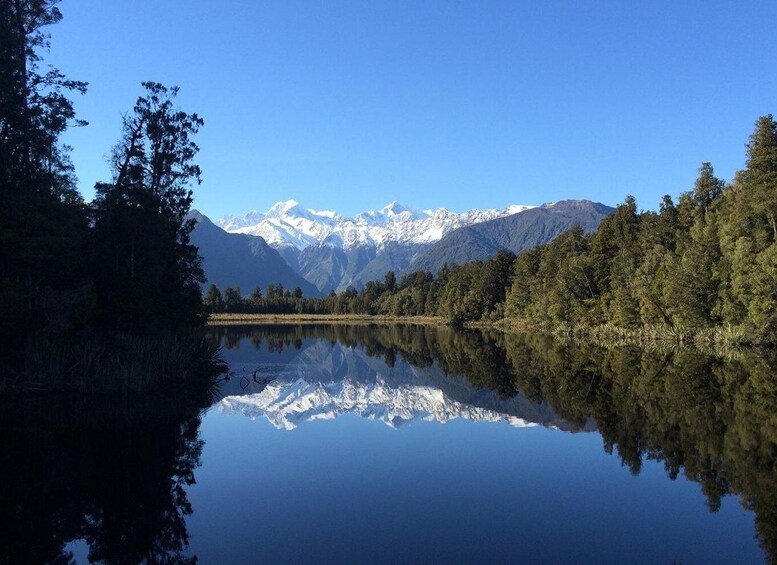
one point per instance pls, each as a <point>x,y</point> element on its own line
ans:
<point>325,381</point>
<point>287,224</point>
<point>334,252</point>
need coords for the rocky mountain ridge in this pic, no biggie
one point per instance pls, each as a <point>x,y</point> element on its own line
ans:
<point>287,224</point>
<point>334,252</point>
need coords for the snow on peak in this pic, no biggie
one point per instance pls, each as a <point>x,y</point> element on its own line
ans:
<point>324,213</point>
<point>283,208</point>
<point>397,209</point>
<point>286,223</point>
<point>517,208</point>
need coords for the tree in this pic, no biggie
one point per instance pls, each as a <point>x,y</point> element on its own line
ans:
<point>748,231</point>
<point>256,297</point>
<point>692,284</point>
<point>615,257</point>
<point>707,188</point>
<point>525,270</point>
<point>233,301</point>
<point>147,273</point>
<point>761,179</point>
<point>760,191</point>
<point>214,302</point>
<point>43,223</point>
<point>390,281</point>
<point>667,223</point>
<point>34,108</point>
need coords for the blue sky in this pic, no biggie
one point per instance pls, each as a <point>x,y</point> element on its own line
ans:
<point>350,105</point>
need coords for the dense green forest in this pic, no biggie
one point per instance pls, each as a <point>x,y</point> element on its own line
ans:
<point>472,291</point>
<point>701,268</point>
<point>93,296</point>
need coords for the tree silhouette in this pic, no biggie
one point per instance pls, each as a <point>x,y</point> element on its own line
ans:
<point>147,273</point>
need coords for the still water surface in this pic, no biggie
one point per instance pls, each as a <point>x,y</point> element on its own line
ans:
<point>361,444</point>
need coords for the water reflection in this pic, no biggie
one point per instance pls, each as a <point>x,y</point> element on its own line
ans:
<point>324,381</point>
<point>711,417</point>
<point>116,473</point>
<point>111,472</point>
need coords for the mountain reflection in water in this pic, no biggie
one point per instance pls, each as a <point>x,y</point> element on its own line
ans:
<point>712,417</point>
<point>116,473</point>
<point>324,381</point>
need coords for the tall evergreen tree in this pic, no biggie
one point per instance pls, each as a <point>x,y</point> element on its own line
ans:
<point>707,188</point>
<point>214,302</point>
<point>147,273</point>
<point>761,177</point>
<point>761,193</point>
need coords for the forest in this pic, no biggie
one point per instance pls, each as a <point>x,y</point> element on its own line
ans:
<point>98,296</point>
<point>113,288</point>
<point>703,268</point>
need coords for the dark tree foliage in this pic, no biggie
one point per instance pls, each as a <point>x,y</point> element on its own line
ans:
<point>213,301</point>
<point>116,476</point>
<point>147,272</point>
<point>69,272</point>
<point>43,223</point>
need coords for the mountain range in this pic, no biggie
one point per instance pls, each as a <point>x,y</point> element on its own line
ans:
<point>516,233</point>
<point>241,260</point>
<point>287,224</point>
<point>324,250</point>
<point>335,252</point>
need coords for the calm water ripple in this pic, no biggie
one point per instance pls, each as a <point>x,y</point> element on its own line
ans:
<point>406,444</point>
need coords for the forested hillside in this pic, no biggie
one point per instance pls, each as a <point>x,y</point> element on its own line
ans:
<point>515,233</point>
<point>704,267</point>
<point>709,260</point>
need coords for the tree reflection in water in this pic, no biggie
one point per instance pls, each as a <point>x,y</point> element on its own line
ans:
<point>114,472</point>
<point>110,471</point>
<point>709,415</point>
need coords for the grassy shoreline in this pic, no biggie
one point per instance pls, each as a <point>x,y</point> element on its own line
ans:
<point>261,319</point>
<point>608,334</point>
<point>604,334</point>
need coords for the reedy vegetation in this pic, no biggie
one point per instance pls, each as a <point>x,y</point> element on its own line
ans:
<point>702,270</point>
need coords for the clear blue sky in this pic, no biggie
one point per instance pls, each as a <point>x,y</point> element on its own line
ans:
<point>349,105</point>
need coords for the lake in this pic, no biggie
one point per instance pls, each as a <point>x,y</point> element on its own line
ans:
<point>400,443</point>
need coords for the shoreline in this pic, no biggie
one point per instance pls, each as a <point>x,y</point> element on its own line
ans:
<point>718,336</point>
<point>288,319</point>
